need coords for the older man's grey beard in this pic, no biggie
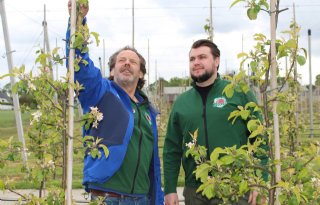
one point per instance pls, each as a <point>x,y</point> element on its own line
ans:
<point>202,78</point>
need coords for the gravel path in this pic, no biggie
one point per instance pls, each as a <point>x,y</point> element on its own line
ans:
<point>9,198</point>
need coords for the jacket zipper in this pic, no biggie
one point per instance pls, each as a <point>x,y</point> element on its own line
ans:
<point>139,150</point>
<point>204,115</point>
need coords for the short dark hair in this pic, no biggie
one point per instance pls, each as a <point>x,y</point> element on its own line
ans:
<point>112,63</point>
<point>205,42</point>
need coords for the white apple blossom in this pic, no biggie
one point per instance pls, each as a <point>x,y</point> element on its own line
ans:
<point>99,116</point>
<point>23,76</point>
<point>36,117</point>
<point>96,115</point>
<point>95,124</point>
<point>315,181</point>
<point>190,145</point>
<point>50,164</point>
<point>31,86</point>
<point>94,110</point>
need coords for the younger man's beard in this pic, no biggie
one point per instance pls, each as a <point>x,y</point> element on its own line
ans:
<point>202,78</point>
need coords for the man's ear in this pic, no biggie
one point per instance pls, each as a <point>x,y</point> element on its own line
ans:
<point>141,75</point>
<point>112,72</point>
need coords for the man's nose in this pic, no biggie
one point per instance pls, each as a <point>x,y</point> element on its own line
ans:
<point>127,62</point>
<point>196,61</point>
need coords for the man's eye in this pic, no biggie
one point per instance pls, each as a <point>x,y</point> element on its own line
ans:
<point>133,62</point>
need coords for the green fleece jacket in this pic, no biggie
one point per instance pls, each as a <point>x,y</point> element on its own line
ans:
<point>214,129</point>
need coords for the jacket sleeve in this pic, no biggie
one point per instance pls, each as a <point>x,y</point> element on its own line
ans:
<point>88,76</point>
<point>172,154</point>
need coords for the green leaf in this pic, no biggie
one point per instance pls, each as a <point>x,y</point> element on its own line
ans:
<point>240,55</point>
<point>216,153</point>
<point>235,2</point>
<point>245,114</point>
<point>254,65</point>
<point>252,125</point>
<point>85,2</point>
<point>55,50</point>
<point>84,62</point>
<point>6,75</point>
<point>297,193</point>
<point>229,90</point>
<point>85,49</point>
<point>227,159</point>
<point>94,153</point>
<point>96,36</point>
<point>257,8</point>
<point>282,54</point>
<point>76,67</point>
<point>283,184</point>
<point>243,187</point>
<point>99,140</point>
<point>244,87</point>
<point>303,174</point>
<point>254,134</point>
<point>202,172</point>
<point>291,44</point>
<point>259,37</point>
<point>208,192</point>
<point>78,41</point>
<point>252,14</point>
<point>301,60</point>
<point>88,138</point>
<point>250,105</point>
<point>234,114</point>
<point>265,4</point>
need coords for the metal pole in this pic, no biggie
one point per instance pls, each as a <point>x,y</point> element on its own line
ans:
<point>46,48</point>
<point>132,23</point>
<point>101,68</point>
<point>15,96</point>
<point>148,64</point>
<point>295,77</point>
<point>57,68</point>
<point>211,23</point>
<point>273,85</point>
<point>68,191</point>
<point>295,38</point>
<point>104,60</point>
<point>46,45</point>
<point>310,85</point>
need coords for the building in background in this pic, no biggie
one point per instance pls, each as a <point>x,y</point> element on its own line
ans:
<point>6,102</point>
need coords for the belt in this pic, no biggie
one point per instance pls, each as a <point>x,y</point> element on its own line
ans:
<point>108,194</point>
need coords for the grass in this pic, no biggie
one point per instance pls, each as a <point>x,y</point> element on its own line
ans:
<point>12,170</point>
<point>8,123</point>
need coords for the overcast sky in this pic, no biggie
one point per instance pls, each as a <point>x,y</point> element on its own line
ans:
<point>170,26</point>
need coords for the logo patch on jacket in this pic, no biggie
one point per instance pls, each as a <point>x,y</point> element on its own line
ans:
<point>219,102</point>
<point>148,118</point>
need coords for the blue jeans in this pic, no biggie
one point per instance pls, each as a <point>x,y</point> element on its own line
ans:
<point>125,200</point>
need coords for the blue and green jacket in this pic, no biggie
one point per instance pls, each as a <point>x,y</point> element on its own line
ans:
<point>116,128</point>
